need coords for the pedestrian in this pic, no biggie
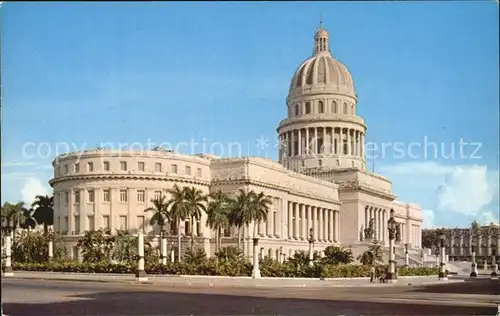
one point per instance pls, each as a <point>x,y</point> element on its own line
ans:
<point>372,274</point>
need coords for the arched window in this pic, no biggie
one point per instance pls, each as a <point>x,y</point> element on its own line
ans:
<point>345,108</point>
<point>321,107</point>
<point>308,107</point>
<point>296,110</point>
<point>334,107</point>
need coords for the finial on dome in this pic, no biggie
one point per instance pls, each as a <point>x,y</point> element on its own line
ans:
<point>321,44</point>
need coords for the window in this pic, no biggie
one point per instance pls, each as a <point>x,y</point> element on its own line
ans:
<point>158,167</point>
<point>321,107</point>
<point>66,197</point>
<point>140,166</point>
<point>91,196</point>
<point>90,166</point>
<point>106,166</point>
<point>352,109</point>
<point>123,223</point>
<point>141,195</point>
<point>303,163</point>
<point>141,223</point>
<point>77,197</point>
<point>174,168</point>
<point>66,169</point>
<point>105,222</point>
<point>308,107</point>
<point>91,222</point>
<point>123,166</point>
<point>334,107</point>
<point>198,172</point>
<point>157,195</point>
<point>188,170</point>
<point>106,195</point>
<point>77,224</point>
<point>345,108</point>
<point>123,195</point>
<point>296,110</point>
<point>77,167</point>
<point>320,162</point>
<point>66,223</point>
<point>58,171</point>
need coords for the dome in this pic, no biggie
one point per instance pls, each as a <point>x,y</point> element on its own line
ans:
<point>322,72</point>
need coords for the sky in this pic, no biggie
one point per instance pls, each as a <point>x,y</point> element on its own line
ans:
<point>215,74</point>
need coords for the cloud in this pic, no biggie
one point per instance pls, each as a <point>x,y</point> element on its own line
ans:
<point>451,195</point>
<point>17,175</point>
<point>19,164</point>
<point>31,188</point>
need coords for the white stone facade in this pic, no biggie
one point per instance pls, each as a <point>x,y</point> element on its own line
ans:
<point>320,181</point>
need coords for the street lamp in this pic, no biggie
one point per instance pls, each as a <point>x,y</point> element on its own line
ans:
<point>163,245</point>
<point>255,270</point>
<point>391,226</point>
<point>473,272</point>
<point>442,266</point>
<point>311,245</point>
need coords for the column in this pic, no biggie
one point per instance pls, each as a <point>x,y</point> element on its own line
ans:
<point>71,214</point>
<point>320,224</point>
<point>303,220</point>
<point>270,220</point>
<point>300,142</point>
<point>362,145</point>
<point>296,218</point>
<point>332,139</point>
<point>324,140</point>
<point>316,151</point>
<point>325,224</point>
<point>290,222</point>
<point>384,230</point>
<point>349,149</point>
<point>332,225</point>
<point>314,221</point>
<point>307,141</point>
<point>337,226</point>
<point>366,216</point>
<point>293,143</point>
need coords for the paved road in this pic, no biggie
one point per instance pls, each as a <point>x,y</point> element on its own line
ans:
<point>43,297</point>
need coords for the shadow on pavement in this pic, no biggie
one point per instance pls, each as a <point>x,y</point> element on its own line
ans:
<point>479,286</point>
<point>168,303</point>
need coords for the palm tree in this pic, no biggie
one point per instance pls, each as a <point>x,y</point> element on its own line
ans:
<point>196,204</point>
<point>44,211</point>
<point>29,221</point>
<point>258,209</point>
<point>161,215</point>
<point>178,211</point>
<point>218,215</point>
<point>239,207</point>
<point>11,215</point>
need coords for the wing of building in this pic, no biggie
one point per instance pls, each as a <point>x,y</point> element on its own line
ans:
<point>320,182</point>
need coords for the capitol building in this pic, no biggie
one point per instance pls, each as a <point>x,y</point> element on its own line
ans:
<point>320,180</point>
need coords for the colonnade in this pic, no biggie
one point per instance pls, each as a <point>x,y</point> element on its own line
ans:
<point>380,217</point>
<point>323,221</point>
<point>460,244</point>
<point>323,140</point>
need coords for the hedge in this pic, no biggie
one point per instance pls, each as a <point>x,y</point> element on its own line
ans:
<point>268,269</point>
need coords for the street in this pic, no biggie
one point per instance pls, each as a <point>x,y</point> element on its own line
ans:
<point>45,297</point>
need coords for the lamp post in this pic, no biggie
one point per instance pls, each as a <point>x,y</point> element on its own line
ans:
<point>8,249</point>
<point>473,271</point>
<point>391,226</point>
<point>163,246</point>
<point>140,273</point>
<point>494,265</point>
<point>442,265</point>
<point>50,236</point>
<point>172,253</point>
<point>255,270</point>
<point>311,246</point>
<point>407,256</point>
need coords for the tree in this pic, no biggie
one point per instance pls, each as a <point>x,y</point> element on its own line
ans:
<point>161,215</point>
<point>95,246</point>
<point>29,221</point>
<point>300,258</point>
<point>178,211</point>
<point>196,205</point>
<point>239,206</point>
<point>373,255</point>
<point>337,255</point>
<point>218,215</point>
<point>44,211</point>
<point>12,216</point>
<point>430,237</point>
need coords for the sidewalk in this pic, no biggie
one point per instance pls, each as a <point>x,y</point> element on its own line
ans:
<point>219,281</point>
